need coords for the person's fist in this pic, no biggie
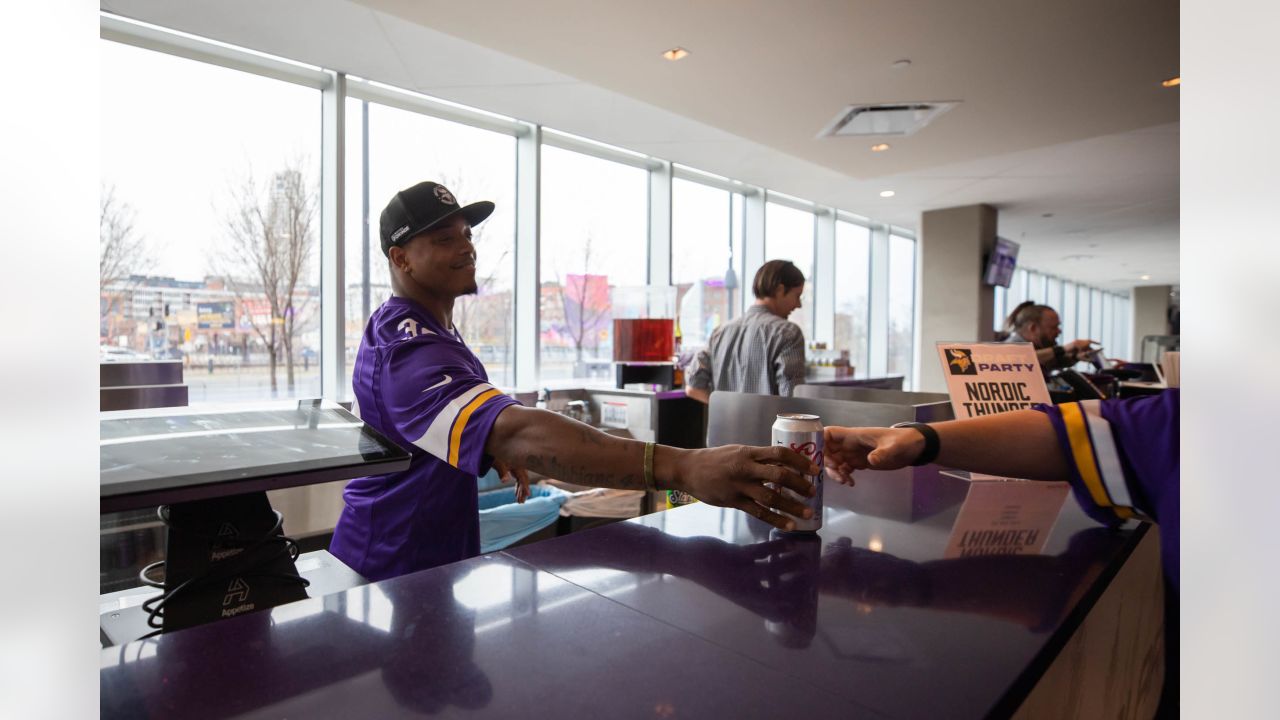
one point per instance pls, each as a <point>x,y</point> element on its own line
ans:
<point>739,476</point>
<point>850,449</point>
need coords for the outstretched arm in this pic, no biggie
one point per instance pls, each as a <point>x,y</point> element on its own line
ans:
<point>729,476</point>
<point>1019,444</point>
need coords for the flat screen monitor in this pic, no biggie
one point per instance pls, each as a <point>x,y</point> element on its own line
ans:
<point>1001,262</point>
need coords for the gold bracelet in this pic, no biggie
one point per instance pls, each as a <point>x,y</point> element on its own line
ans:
<point>649,482</point>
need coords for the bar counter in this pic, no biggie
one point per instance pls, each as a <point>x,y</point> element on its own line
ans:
<point>705,612</point>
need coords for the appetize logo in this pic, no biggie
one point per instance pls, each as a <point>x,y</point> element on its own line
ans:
<point>960,361</point>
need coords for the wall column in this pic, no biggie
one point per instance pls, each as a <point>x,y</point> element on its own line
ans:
<point>953,303</point>
<point>1150,315</point>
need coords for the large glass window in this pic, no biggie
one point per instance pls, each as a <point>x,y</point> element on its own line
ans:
<point>1095,315</point>
<point>1107,336</point>
<point>902,305</point>
<point>595,220</point>
<point>406,148</point>
<point>1017,292</point>
<point>853,281</point>
<point>1124,348</point>
<point>788,235</point>
<point>1067,312</point>
<point>1000,313</point>
<point>701,255</point>
<point>1053,293</point>
<point>1083,303</point>
<point>210,225</point>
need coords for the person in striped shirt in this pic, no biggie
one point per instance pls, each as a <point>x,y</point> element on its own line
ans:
<point>417,382</point>
<point>1121,458</point>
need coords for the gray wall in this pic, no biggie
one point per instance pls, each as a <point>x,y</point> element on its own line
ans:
<point>1150,314</point>
<point>953,304</point>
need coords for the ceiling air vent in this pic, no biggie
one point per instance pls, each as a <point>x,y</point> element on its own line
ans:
<point>885,118</point>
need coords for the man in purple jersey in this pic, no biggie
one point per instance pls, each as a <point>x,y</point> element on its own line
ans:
<point>1120,456</point>
<point>418,383</point>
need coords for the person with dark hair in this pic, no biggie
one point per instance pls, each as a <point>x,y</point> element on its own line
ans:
<point>418,383</point>
<point>1040,326</point>
<point>761,351</point>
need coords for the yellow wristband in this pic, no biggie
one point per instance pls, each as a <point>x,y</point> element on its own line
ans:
<point>648,467</point>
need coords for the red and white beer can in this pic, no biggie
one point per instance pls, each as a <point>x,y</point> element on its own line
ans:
<point>803,433</point>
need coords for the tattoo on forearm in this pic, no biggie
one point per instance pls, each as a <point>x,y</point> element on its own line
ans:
<point>553,466</point>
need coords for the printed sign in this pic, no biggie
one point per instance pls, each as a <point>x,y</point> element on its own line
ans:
<point>1006,518</point>
<point>990,378</point>
<point>216,315</point>
<point>613,414</point>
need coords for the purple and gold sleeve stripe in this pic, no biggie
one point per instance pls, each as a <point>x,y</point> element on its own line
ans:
<point>460,425</point>
<point>444,436</point>
<point>1092,449</point>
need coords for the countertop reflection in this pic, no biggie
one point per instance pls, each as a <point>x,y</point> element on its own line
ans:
<point>695,612</point>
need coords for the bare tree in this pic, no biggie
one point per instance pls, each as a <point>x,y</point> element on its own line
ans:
<point>271,236</point>
<point>121,249</point>
<point>580,318</point>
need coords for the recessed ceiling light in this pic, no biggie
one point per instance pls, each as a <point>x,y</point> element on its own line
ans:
<point>1172,82</point>
<point>1145,277</point>
<point>902,64</point>
<point>887,193</point>
<point>879,147</point>
<point>675,53</point>
<point>1047,215</point>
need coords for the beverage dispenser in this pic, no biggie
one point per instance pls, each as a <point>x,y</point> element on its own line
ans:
<point>644,336</point>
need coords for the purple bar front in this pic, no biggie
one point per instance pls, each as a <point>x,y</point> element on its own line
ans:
<point>694,612</point>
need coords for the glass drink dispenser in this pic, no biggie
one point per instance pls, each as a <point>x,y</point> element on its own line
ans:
<point>644,335</point>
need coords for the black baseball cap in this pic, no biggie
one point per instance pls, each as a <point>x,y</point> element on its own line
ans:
<point>424,206</point>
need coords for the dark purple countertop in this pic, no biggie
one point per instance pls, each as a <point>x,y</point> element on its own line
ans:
<point>695,612</point>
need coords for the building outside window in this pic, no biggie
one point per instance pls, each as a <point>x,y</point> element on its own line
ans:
<point>406,148</point>
<point>902,304</point>
<point>210,175</point>
<point>853,280</point>
<point>788,235</point>
<point>595,219</point>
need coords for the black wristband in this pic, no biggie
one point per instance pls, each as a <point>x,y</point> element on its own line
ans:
<point>1059,354</point>
<point>931,443</point>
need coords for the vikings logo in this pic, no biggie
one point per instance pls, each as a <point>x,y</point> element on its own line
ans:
<point>444,196</point>
<point>960,362</point>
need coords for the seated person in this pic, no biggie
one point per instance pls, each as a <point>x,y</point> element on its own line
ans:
<point>1040,326</point>
<point>1011,322</point>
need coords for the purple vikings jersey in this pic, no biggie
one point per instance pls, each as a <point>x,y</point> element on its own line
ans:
<point>422,387</point>
<point>1124,462</point>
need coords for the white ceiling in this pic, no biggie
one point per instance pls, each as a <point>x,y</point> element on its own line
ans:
<point>1061,109</point>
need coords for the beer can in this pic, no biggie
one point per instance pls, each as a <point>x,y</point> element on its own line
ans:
<point>803,433</point>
